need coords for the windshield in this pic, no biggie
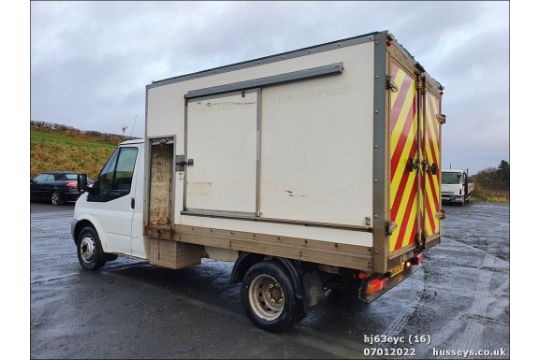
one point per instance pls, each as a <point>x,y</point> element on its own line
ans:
<point>451,178</point>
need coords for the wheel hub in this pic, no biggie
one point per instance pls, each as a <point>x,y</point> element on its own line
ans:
<point>88,248</point>
<point>266,297</point>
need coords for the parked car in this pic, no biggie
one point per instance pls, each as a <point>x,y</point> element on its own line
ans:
<point>56,187</point>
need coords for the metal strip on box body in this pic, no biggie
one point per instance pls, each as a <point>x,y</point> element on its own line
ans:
<point>258,155</point>
<point>338,44</point>
<point>380,158</point>
<point>304,74</point>
<point>146,208</point>
<point>184,201</point>
<point>235,215</point>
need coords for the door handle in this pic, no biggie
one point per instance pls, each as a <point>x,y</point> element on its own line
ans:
<point>133,203</point>
<point>412,164</point>
<point>181,162</point>
<point>431,168</point>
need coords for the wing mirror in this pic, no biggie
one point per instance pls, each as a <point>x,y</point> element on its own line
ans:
<point>82,183</point>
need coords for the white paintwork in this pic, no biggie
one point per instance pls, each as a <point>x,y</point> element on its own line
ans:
<point>119,227</point>
<point>319,167</point>
<point>223,174</point>
<point>316,142</point>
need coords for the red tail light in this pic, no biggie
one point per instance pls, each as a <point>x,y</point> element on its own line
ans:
<point>417,260</point>
<point>72,184</point>
<point>374,286</point>
<point>363,275</point>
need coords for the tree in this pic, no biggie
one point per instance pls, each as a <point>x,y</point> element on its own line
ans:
<point>503,173</point>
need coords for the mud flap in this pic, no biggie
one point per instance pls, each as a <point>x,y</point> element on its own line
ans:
<point>313,291</point>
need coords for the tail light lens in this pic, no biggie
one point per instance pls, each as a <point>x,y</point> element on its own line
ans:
<point>72,184</point>
<point>374,286</point>
<point>417,260</point>
<point>362,275</point>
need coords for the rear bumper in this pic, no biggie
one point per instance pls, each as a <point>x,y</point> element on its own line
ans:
<point>452,198</point>
<point>389,283</point>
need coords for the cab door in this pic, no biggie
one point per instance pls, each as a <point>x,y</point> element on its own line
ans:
<point>112,199</point>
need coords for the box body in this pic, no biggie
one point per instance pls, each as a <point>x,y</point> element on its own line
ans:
<point>288,155</point>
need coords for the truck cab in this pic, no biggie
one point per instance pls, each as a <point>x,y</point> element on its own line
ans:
<point>112,209</point>
<point>455,187</point>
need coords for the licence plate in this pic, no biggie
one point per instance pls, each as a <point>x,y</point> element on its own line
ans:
<point>397,269</point>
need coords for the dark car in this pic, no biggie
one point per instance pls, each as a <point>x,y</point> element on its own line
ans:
<point>56,187</point>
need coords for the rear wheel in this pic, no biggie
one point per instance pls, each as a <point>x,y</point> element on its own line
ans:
<point>89,250</point>
<point>268,297</point>
<point>56,198</point>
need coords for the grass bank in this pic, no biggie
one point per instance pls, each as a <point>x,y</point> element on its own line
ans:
<point>68,149</point>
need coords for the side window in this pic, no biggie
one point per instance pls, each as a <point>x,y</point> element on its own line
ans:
<point>40,179</point>
<point>124,170</point>
<point>114,181</point>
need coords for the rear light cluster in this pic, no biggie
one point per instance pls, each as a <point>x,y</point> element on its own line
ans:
<point>376,285</point>
<point>362,275</point>
<point>71,184</point>
<point>417,259</point>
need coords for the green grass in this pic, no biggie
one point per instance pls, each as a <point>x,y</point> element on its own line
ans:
<point>69,150</point>
<point>483,193</point>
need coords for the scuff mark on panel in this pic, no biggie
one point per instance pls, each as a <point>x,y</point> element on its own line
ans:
<point>292,194</point>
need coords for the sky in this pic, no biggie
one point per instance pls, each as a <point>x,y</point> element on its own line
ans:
<point>90,61</point>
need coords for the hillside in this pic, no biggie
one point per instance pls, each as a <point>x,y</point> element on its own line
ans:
<point>56,147</point>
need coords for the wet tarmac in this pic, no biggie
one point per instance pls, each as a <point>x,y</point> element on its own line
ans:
<point>459,298</point>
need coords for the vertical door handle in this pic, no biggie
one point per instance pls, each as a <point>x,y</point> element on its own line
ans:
<point>133,203</point>
<point>412,164</point>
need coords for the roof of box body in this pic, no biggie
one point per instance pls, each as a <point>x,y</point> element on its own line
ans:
<point>288,55</point>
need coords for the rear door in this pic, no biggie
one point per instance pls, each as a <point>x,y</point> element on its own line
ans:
<point>431,159</point>
<point>404,158</point>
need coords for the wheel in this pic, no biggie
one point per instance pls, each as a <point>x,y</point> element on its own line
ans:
<point>89,249</point>
<point>268,297</point>
<point>56,198</point>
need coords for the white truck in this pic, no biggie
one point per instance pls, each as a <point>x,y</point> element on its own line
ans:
<point>456,187</point>
<point>311,170</point>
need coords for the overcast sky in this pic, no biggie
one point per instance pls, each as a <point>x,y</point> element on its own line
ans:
<point>91,60</point>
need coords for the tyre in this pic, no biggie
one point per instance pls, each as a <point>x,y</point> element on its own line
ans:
<point>89,250</point>
<point>56,198</point>
<point>268,297</point>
